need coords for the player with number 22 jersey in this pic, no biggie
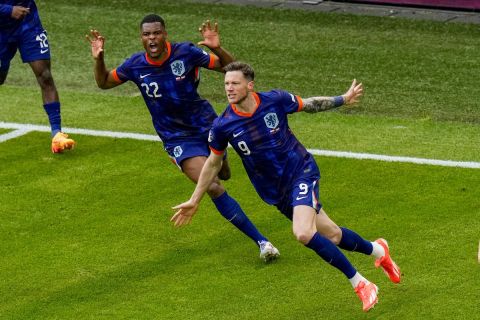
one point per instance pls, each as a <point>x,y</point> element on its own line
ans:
<point>166,86</point>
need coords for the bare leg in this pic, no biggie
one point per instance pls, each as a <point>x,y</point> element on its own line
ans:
<point>192,167</point>
<point>225,173</point>
<point>41,69</point>
<point>229,208</point>
<point>327,228</point>
<point>51,104</point>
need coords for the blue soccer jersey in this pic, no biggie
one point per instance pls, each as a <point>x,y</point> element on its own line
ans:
<point>25,35</point>
<point>272,156</point>
<point>169,88</point>
<point>9,23</point>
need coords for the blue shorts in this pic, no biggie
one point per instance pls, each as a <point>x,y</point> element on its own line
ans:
<point>32,43</point>
<point>183,150</point>
<point>305,191</point>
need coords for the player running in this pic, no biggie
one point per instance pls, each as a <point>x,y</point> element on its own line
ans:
<point>284,173</point>
<point>21,29</point>
<point>167,75</point>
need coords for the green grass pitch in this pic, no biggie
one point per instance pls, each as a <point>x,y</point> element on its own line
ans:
<point>86,234</point>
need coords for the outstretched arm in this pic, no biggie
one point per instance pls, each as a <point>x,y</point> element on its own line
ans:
<point>211,39</point>
<point>186,210</point>
<point>318,104</point>
<point>103,77</point>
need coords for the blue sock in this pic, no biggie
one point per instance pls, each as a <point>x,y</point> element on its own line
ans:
<point>231,210</point>
<point>53,111</point>
<point>351,241</point>
<point>331,254</point>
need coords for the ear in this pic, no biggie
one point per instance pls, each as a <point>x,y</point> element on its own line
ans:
<point>250,85</point>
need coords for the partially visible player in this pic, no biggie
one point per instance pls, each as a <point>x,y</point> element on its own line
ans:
<point>167,74</point>
<point>21,29</point>
<point>284,173</point>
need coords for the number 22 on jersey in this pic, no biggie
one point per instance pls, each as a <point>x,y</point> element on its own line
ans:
<point>151,90</point>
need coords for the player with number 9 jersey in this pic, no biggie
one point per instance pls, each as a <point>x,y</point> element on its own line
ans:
<point>284,173</point>
<point>271,154</point>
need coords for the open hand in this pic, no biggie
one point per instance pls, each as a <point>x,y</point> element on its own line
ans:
<point>354,93</point>
<point>97,41</point>
<point>184,214</point>
<point>210,35</point>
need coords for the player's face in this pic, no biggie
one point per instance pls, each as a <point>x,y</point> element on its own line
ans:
<point>153,39</point>
<point>237,87</point>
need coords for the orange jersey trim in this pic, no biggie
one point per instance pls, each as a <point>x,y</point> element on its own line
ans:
<point>300,103</point>
<point>211,64</point>
<point>115,76</point>
<point>217,152</point>
<point>159,63</point>
<point>246,114</point>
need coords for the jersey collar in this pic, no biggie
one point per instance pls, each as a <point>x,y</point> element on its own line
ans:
<point>246,114</point>
<point>159,63</point>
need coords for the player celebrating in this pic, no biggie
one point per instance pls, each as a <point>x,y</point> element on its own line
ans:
<point>20,28</point>
<point>167,75</point>
<point>284,173</point>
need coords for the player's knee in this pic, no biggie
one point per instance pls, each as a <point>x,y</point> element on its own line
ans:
<point>215,190</point>
<point>303,236</point>
<point>224,173</point>
<point>45,79</point>
<point>334,235</point>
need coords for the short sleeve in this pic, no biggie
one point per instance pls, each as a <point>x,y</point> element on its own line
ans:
<point>217,139</point>
<point>290,103</point>
<point>200,57</point>
<point>122,72</point>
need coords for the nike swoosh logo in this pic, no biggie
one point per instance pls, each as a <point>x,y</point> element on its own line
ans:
<point>300,198</point>
<point>144,75</point>
<point>43,51</point>
<point>237,134</point>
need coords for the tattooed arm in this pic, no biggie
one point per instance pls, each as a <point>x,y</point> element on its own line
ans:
<point>318,104</point>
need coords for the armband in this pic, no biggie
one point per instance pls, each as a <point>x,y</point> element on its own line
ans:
<point>338,101</point>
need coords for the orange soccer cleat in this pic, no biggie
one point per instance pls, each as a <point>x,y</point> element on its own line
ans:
<point>367,292</point>
<point>388,265</point>
<point>61,142</point>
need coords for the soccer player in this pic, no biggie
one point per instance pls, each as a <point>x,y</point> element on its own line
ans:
<point>167,75</point>
<point>284,173</point>
<point>21,29</point>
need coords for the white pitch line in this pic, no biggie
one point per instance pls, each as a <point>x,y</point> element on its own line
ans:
<point>87,132</point>
<point>379,157</point>
<point>13,134</point>
<point>25,128</point>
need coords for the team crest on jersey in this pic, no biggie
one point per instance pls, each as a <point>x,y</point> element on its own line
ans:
<point>177,151</point>
<point>178,68</point>
<point>271,120</point>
